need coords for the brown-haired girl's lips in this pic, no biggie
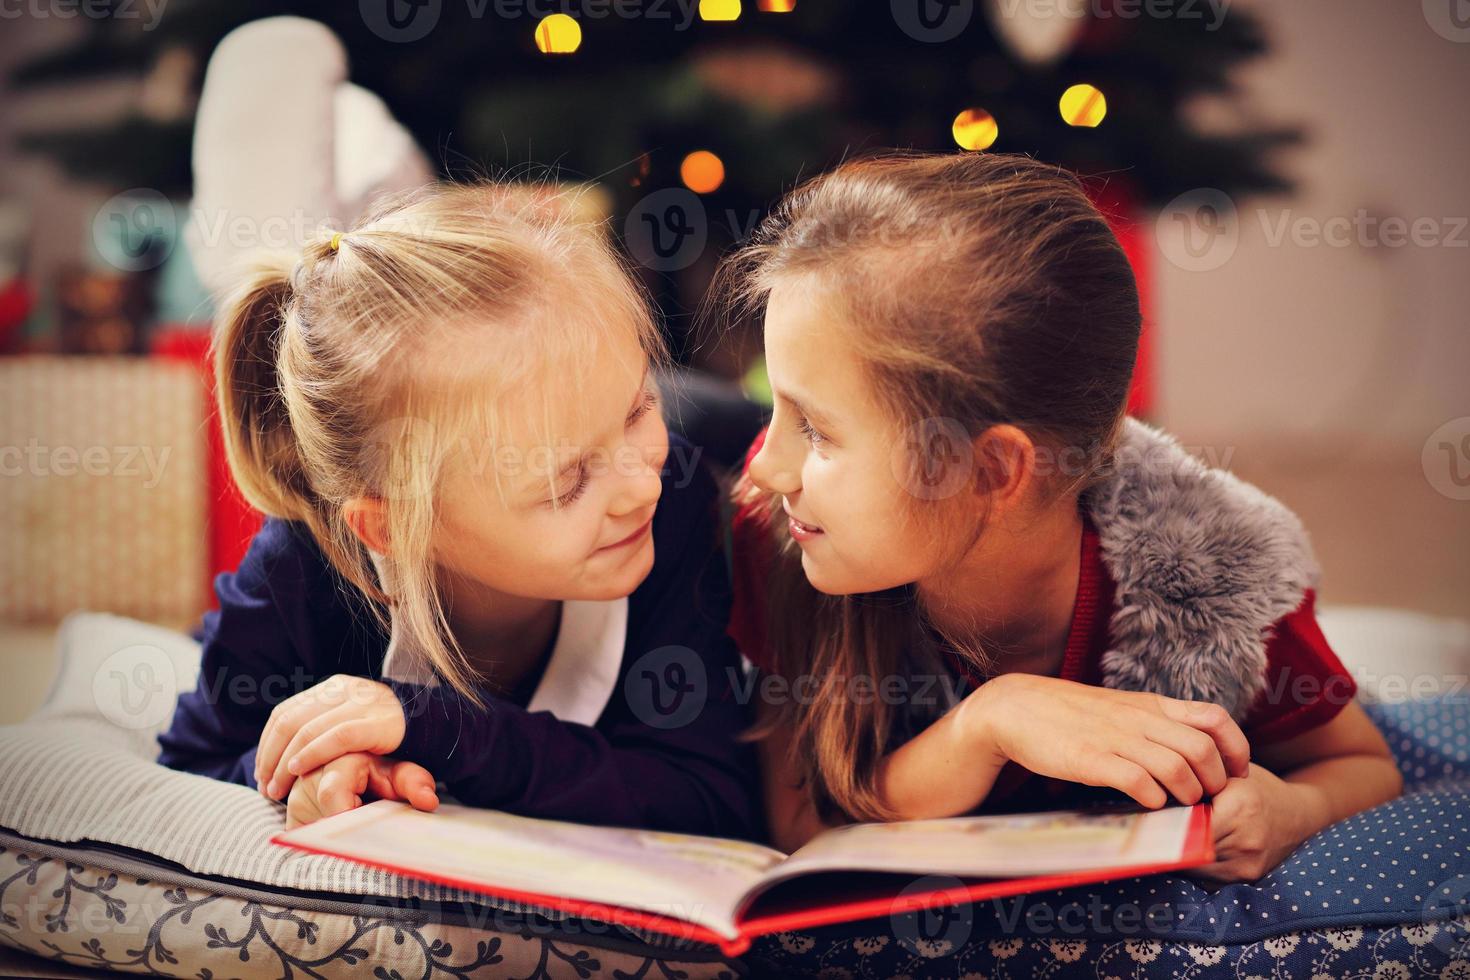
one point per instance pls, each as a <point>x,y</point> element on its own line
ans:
<point>800,530</point>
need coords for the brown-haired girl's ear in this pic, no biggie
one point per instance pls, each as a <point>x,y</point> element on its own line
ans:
<point>367,518</point>
<point>1005,465</point>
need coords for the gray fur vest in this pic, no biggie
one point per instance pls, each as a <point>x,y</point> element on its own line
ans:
<point>1204,564</point>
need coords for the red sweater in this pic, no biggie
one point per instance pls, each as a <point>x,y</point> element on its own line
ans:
<point>1306,685</point>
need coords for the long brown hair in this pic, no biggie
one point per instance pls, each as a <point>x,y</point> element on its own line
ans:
<point>358,367</point>
<point>981,289</point>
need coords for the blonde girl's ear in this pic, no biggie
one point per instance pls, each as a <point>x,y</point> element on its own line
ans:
<point>368,520</point>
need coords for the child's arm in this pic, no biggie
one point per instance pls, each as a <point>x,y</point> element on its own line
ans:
<point>636,767</point>
<point>258,649</point>
<point>1146,745</point>
<point>790,815</point>
<point>1341,768</point>
<point>1325,775</point>
<point>1318,758</point>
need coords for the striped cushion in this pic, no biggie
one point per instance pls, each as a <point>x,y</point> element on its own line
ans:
<point>82,768</point>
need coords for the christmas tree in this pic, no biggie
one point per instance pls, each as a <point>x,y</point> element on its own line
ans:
<point>761,92</point>
<point>783,89</point>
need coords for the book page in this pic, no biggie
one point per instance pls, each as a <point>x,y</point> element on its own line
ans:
<point>693,879</point>
<point>999,846</point>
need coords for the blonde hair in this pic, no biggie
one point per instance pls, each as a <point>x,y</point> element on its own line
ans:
<point>356,370</point>
<point>981,289</point>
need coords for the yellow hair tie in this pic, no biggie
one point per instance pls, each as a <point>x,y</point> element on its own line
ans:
<point>336,240</point>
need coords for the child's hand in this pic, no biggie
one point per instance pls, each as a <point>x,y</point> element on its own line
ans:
<point>1256,825</point>
<point>338,786</point>
<point>342,714</point>
<point>1146,745</point>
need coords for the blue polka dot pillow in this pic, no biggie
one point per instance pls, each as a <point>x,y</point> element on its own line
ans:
<point>1384,894</point>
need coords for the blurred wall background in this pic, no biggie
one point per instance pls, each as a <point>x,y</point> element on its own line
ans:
<point>1294,339</point>
<point>1332,358</point>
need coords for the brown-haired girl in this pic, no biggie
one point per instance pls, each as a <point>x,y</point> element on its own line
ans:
<point>949,490</point>
<point>478,529</point>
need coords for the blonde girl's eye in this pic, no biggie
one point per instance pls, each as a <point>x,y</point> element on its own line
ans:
<point>646,405</point>
<point>572,495</point>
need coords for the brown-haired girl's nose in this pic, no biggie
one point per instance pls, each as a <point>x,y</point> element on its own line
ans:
<point>770,471</point>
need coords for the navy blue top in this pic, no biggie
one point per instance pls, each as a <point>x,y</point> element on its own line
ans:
<point>663,754</point>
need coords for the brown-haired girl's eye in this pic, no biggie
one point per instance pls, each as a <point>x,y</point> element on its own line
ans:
<point>811,434</point>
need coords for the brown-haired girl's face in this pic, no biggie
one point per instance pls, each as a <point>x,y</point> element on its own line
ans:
<point>574,521</point>
<point>830,452</point>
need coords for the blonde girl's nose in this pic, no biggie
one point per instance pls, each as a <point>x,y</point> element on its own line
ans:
<point>640,481</point>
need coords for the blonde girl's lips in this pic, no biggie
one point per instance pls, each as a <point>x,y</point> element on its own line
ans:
<point>633,538</point>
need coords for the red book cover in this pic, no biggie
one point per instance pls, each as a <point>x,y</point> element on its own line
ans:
<point>727,892</point>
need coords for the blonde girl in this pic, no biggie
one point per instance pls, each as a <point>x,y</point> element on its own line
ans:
<point>950,499</point>
<point>477,528</point>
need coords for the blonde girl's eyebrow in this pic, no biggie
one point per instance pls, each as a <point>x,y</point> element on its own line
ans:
<point>574,465</point>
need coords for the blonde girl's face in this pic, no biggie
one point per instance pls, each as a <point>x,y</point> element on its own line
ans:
<point>833,454</point>
<point>574,519</point>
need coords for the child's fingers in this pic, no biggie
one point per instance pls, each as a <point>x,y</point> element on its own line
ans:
<point>341,785</point>
<point>1196,748</point>
<point>329,736</point>
<point>1168,768</point>
<point>380,779</point>
<point>1128,777</point>
<point>285,721</point>
<point>1214,721</point>
<point>335,734</point>
<point>301,807</point>
<point>415,784</point>
<point>287,718</point>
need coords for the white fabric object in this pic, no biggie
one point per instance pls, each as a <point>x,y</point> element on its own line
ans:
<point>284,145</point>
<point>83,768</point>
<point>1396,655</point>
<point>581,673</point>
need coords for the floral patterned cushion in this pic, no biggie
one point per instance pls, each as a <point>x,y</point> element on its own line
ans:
<point>60,908</point>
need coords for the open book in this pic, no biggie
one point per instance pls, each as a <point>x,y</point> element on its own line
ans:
<point>727,892</point>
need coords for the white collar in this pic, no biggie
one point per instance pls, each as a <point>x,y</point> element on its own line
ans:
<point>580,676</point>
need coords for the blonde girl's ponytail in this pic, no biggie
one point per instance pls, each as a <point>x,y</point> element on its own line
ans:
<point>387,360</point>
<point>259,441</point>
